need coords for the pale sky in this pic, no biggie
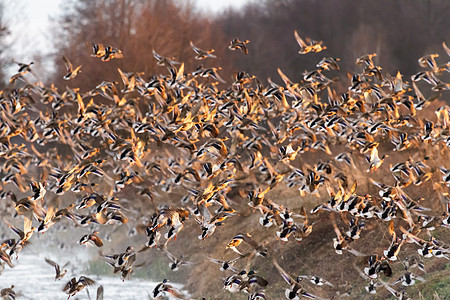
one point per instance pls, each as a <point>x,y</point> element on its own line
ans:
<point>216,6</point>
<point>29,23</point>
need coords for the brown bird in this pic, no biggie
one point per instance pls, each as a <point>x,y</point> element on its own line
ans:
<point>91,240</point>
<point>239,238</point>
<point>6,258</point>
<point>241,45</point>
<point>71,72</point>
<point>74,286</point>
<point>163,289</point>
<point>309,45</point>
<point>60,272</point>
<point>106,53</point>
<point>202,54</point>
<point>8,293</point>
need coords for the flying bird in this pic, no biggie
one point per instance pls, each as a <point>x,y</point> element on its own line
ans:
<point>202,54</point>
<point>60,271</point>
<point>308,46</point>
<point>71,72</point>
<point>238,44</point>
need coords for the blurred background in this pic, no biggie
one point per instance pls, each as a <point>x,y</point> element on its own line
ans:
<point>399,31</point>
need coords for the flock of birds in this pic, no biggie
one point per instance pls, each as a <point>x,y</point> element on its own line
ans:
<point>71,159</point>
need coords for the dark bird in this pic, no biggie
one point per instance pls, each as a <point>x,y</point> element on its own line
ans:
<point>165,289</point>
<point>241,45</point>
<point>295,291</point>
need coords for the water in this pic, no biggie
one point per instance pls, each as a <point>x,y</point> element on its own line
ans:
<point>34,279</point>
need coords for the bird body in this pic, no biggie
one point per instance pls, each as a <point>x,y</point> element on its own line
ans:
<point>71,72</point>
<point>74,286</point>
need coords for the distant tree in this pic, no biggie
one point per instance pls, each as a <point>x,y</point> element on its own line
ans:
<point>136,28</point>
<point>3,45</point>
<point>399,31</point>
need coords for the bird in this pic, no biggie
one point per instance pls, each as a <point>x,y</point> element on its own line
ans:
<point>238,44</point>
<point>71,72</point>
<point>377,265</point>
<point>253,283</point>
<point>24,68</point>
<point>164,61</point>
<point>74,286</point>
<point>60,271</point>
<point>226,264</point>
<point>105,52</point>
<point>374,160</point>
<point>91,239</point>
<point>329,63</point>
<point>408,279</point>
<point>175,263</point>
<point>165,289</point>
<point>395,246</point>
<point>295,291</point>
<point>239,238</point>
<point>8,293</point>
<point>314,280</point>
<point>202,54</point>
<point>123,262</point>
<point>234,282</point>
<point>308,46</point>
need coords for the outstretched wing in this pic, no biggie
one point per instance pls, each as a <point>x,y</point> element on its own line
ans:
<point>68,64</point>
<point>283,273</point>
<point>299,40</point>
<point>100,293</point>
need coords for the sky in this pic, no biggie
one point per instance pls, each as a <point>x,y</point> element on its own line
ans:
<point>29,23</point>
<point>216,6</point>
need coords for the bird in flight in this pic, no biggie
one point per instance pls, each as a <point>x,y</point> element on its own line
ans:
<point>71,72</point>
<point>308,46</point>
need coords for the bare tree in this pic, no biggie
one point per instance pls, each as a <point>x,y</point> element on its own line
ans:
<point>398,30</point>
<point>3,45</point>
<point>136,28</point>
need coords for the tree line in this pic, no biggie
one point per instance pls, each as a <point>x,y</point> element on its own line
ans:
<point>399,31</point>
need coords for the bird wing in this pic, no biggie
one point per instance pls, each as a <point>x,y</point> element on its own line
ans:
<point>283,273</point>
<point>156,55</point>
<point>69,284</point>
<point>50,262</point>
<point>175,293</point>
<point>299,39</point>
<point>100,293</point>
<point>336,229</point>
<point>97,241</point>
<point>196,49</point>
<point>27,223</point>
<point>68,64</point>
<point>248,239</point>
<point>123,76</point>
<point>170,256</point>
<point>447,49</point>
<point>86,281</point>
